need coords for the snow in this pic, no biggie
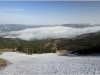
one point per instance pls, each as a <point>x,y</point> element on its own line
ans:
<point>49,64</point>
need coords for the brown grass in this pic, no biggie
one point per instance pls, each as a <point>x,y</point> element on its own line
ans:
<point>2,62</point>
<point>47,44</point>
<point>6,50</point>
<point>62,51</point>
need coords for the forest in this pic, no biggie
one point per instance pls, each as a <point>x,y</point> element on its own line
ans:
<point>36,48</point>
<point>82,44</point>
<point>30,47</point>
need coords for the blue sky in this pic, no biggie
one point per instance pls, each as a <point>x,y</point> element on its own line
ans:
<point>49,12</point>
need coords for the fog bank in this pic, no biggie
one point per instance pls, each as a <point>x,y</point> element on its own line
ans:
<point>49,32</point>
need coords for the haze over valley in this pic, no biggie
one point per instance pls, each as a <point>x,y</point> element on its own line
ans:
<point>41,32</point>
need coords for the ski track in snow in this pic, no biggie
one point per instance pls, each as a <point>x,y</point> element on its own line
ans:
<point>49,64</point>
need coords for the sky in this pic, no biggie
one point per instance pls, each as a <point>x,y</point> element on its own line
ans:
<point>49,12</point>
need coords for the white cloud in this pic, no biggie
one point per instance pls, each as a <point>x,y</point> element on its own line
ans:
<point>49,32</point>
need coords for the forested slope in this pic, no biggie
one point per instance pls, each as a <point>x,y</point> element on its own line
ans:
<point>83,44</point>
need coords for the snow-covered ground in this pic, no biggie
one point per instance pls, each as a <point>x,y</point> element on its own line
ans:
<point>49,64</point>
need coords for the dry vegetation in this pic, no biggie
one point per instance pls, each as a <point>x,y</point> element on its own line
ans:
<point>5,50</point>
<point>2,61</point>
<point>61,51</point>
<point>47,44</point>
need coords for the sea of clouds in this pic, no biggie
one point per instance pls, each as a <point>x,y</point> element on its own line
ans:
<point>49,32</point>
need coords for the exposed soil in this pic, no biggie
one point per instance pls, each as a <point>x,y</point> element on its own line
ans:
<point>2,62</point>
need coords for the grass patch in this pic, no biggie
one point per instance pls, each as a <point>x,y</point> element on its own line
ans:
<point>62,51</point>
<point>6,50</point>
<point>2,62</point>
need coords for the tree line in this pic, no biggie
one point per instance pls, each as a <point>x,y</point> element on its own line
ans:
<point>36,48</point>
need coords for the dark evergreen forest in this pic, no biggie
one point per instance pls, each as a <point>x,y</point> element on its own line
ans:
<point>82,44</point>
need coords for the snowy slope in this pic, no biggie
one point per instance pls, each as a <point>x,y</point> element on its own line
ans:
<point>49,64</point>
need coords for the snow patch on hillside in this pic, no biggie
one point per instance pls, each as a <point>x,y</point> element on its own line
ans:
<point>50,64</point>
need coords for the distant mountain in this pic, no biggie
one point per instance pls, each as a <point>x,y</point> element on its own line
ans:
<point>16,27</point>
<point>77,25</point>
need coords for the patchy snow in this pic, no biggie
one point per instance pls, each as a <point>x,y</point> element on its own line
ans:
<point>49,64</point>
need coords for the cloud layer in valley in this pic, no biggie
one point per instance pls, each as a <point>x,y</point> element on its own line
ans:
<point>49,32</point>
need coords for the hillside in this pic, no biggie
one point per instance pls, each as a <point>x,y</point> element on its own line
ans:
<point>30,47</point>
<point>10,42</point>
<point>83,44</point>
